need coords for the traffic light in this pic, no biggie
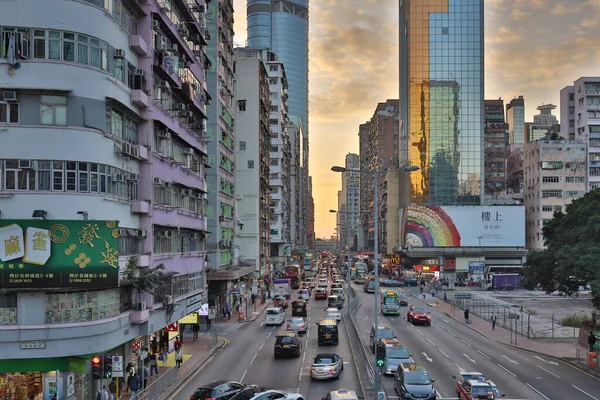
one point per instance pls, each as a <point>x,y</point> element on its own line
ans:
<point>107,367</point>
<point>96,367</point>
<point>380,356</point>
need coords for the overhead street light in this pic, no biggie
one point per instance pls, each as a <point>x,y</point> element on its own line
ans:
<point>410,168</point>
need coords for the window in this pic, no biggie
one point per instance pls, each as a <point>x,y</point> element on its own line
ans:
<point>273,81</point>
<point>274,108</point>
<point>274,121</point>
<point>68,46</point>
<point>82,306</point>
<point>9,113</point>
<point>575,179</point>
<point>273,68</point>
<point>550,179</point>
<point>241,105</point>
<point>551,194</point>
<point>242,146</point>
<point>54,110</point>
<point>250,164</point>
<point>274,162</point>
<point>122,126</point>
<point>547,208</point>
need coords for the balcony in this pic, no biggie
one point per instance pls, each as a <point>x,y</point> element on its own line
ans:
<point>140,207</point>
<point>182,263</point>
<point>177,217</point>
<point>138,45</point>
<point>139,317</point>
<point>177,173</point>
<point>139,98</point>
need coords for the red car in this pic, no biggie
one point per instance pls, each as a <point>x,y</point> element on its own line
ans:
<point>321,294</point>
<point>475,390</point>
<point>280,302</point>
<point>418,315</point>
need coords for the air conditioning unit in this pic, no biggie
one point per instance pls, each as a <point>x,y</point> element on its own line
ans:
<point>169,299</point>
<point>119,54</point>
<point>207,34</point>
<point>188,151</point>
<point>196,86</point>
<point>158,181</point>
<point>126,149</point>
<point>155,24</point>
<point>9,95</point>
<point>142,233</point>
<point>166,7</point>
<point>26,164</point>
<point>142,306</point>
<point>133,177</point>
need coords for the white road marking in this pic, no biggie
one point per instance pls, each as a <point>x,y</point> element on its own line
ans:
<point>518,355</point>
<point>427,357</point>
<point>430,341</point>
<point>445,320</point>
<point>452,333</point>
<point>512,361</point>
<point>306,344</point>
<point>301,370</point>
<point>438,324</point>
<point>419,332</point>
<point>584,392</point>
<point>261,346</point>
<point>303,356</point>
<point>547,362</point>
<point>262,323</point>
<point>459,367</point>
<point>243,376</point>
<point>551,373</point>
<point>467,343</point>
<point>297,389</point>
<point>470,359</point>
<point>483,355</point>
<point>308,333</point>
<point>537,391</point>
<point>514,376</point>
<point>269,335</point>
<point>253,358</point>
<point>446,355</point>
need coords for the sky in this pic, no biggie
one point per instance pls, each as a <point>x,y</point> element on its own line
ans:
<point>533,48</point>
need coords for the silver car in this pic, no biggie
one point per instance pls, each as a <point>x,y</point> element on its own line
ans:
<point>297,324</point>
<point>327,366</point>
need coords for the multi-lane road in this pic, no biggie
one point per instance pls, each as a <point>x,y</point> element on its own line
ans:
<point>248,358</point>
<point>447,347</point>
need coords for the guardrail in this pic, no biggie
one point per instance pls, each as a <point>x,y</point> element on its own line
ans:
<point>587,360</point>
<point>156,388</point>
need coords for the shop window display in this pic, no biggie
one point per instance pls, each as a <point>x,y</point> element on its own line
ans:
<point>81,306</point>
<point>19,386</point>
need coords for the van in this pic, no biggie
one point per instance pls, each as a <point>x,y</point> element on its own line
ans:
<point>327,332</point>
<point>335,301</point>
<point>339,293</point>
<point>274,316</point>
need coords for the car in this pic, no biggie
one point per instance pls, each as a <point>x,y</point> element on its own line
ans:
<point>403,299</point>
<point>383,332</point>
<point>469,376</point>
<point>287,343</point>
<point>299,308</point>
<point>337,286</point>
<point>395,354</point>
<point>327,366</point>
<point>320,294</point>
<point>248,392</point>
<point>412,382</point>
<point>475,390</point>
<point>333,313</point>
<point>297,324</point>
<point>496,390</point>
<point>342,394</point>
<point>217,390</point>
<point>323,283</point>
<point>281,302</point>
<point>392,283</point>
<point>278,394</point>
<point>418,315</point>
<point>304,294</point>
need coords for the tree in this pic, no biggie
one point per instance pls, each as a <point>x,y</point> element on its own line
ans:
<point>572,251</point>
<point>143,280</point>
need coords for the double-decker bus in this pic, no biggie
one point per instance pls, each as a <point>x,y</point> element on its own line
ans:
<point>293,272</point>
<point>390,302</point>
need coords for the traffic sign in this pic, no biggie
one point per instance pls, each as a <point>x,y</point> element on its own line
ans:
<point>117,366</point>
<point>380,395</point>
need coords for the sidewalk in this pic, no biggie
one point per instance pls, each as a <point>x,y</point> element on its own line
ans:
<point>564,349</point>
<point>254,312</point>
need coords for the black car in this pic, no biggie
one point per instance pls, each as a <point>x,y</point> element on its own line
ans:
<point>217,390</point>
<point>411,381</point>
<point>299,308</point>
<point>287,343</point>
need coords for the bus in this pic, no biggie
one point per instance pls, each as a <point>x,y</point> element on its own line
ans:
<point>390,302</point>
<point>293,272</point>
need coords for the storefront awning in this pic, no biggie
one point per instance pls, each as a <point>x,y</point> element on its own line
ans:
<point>232,273</point>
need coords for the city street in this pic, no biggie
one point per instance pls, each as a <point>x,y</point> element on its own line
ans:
<point>249,359</point>
<point>447,347</point>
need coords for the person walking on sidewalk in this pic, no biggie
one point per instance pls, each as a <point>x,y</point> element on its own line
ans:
<point>178,358</point>
<point>177,344</point>
<point>165,354</point>
<point>591,341</point>
<point>467,321</point>
<point>153,365</point>
<point>134,385</point>
<point>493,319</point>
<point>196,329</point>
<point>208,322</point>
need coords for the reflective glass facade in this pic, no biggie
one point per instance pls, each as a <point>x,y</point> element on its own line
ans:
<point>282,26</point>
<point>441,100</point>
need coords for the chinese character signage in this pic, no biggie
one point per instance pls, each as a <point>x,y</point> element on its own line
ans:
<point>493,226</point>
<point>58,253</point>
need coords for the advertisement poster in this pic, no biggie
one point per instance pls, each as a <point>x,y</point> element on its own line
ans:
<point>491,226</point>
<point>59,253</point>
<point>50,388</point>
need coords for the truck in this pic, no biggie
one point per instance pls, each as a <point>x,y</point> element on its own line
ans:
<point>503,281</point>
<point>282,287</point>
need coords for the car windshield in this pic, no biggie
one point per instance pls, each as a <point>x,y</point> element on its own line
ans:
<point>390,300</point>
<point>279,299</point>
<point>331,312</point>
<point>286,339</point>
<point>419,310</point>
<point>297,321</point>
<point>324,360</point>
<point>416,378</point>
<point>272,312</point>
<point>385,334</point>
<point>396,352</point>
<point>473,377</point>
<point>481,390</point>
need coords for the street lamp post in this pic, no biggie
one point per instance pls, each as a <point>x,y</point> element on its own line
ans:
<point>376,368</point>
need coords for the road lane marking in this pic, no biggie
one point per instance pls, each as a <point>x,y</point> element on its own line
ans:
<point>307,334</point>
<point>537,391</point>
<point>470,359</point>
<point>261,346</point>
<point>445,320</point>
<point>430,341</point>
<point>243,376</point>
<point>512,361</point>
<point>303,356</point>
<point>446,355</point>
<point>547,362</point>
<point>427,357</point>
<point>459,367</point>
<point>300,377</point>
<point>452,333</point>
<point>306,344</point>
<point>467,343</point>
<point>518,355</point>
<point>584,392</point>
<point>262,323</point>
<point>253,358</point>
<point>514,376</point>
<point>419,332</point>
<point>269,335</point>
<point>483,355</point>
<point>438,324</point>
<point>551,373</point>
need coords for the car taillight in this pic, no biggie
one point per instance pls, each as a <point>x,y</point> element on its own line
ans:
<point>289,327</point>
<point>303,327</point>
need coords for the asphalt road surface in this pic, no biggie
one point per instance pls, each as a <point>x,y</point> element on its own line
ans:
<point>447,347</point>
<point>249,359</point>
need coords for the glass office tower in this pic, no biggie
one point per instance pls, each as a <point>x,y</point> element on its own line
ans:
<point>441,100</point>
<point>282,26</point>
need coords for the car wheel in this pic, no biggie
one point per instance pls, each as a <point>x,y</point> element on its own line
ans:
<point>429,324</point>
<point>342,367</point>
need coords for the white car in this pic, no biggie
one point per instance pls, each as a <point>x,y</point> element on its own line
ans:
<point>333,313</point>
<point>278,394</point>
<point>323,283</point>
<point>303,294</point>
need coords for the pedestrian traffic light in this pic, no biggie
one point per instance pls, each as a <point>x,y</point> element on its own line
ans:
<point>107,367</point>
<point>96,367</point>
<point>380,360</point>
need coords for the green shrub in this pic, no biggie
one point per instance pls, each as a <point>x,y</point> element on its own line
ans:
<point>577,320</point>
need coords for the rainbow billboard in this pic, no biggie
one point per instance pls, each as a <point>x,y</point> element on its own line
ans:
<point>450,226</point>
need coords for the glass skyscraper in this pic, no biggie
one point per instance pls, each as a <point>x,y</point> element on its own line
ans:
<point>441,100</point>
<point>282,26</point>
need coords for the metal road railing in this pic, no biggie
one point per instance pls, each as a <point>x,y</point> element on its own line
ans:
<point>583,359</point>
<point>156,388</point>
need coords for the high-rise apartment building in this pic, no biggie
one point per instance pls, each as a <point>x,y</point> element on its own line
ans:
<point>366,194</point>
<point>349,202</point>
<point>297,215</point>
<point>515,118</point>
<point>310,217</point>
<point>102,171</point>
<point>543,124</point>
<point>554,176</point>
<point>496,148</point>
<point>441,101</point>
<point>253,135</point>
<point>580,114</point>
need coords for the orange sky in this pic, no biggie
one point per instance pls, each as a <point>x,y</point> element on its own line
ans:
<point>354,65</point>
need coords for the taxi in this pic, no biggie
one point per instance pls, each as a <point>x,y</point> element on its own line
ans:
<point>475,390</point>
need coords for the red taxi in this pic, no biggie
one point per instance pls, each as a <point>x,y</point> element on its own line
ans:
<point>280,302</point>
<point>418,315</point>
<point>320,294</point>
<point>475,390</point>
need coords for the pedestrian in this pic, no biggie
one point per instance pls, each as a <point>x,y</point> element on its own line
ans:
<point>494,321</point>
<point>178,358</point>
<point>130,373</point>
<point>153,364</point>
<point>177,344</point>
<point>467,321</point>
<point>208,322</point>
<point>146,375</point>
<point>591,341</point>
<point>196,329</point>
<point>55,396</point>
<point>165,354</point>
<point>104,394</point>
<point>228,311</point>
<point>134,386</point>
<point>445,297</point>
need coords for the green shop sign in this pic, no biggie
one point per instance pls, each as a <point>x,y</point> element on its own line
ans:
<point>59,253</point>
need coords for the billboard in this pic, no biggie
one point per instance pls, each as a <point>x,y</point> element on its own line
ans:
<point>451,226</point>
<point>59,253</point>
